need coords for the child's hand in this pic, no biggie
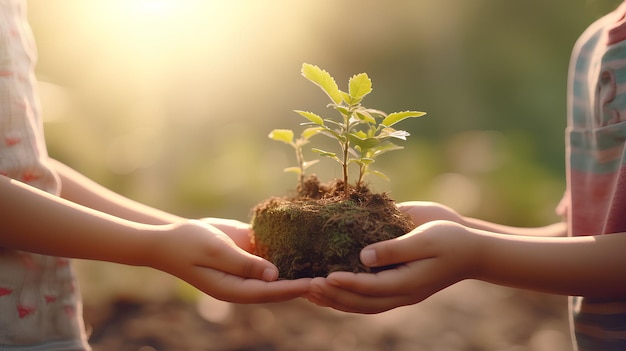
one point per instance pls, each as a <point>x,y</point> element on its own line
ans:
<point>238,231</point>
<point>210,260</point>
<point>431,257</point>
<point>423,212</point>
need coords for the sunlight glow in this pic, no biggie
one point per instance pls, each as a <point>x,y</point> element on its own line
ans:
<point>153,7</point>
<point>164,23</point>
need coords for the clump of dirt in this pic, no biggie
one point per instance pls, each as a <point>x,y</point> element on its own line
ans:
<point>321,230</point>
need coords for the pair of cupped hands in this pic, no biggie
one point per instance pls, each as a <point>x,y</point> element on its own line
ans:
<point>427,259</point>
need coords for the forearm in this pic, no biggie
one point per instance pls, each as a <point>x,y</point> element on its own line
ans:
<point>425,211</point>
<point>588,266</point>
<point>558,229</point>
<point>82,190</point>
<point>36,221</point>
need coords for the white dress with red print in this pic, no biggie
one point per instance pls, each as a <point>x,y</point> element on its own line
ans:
<point>40,307</point>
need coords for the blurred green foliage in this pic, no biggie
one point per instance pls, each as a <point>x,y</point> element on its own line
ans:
<point>172,105</point>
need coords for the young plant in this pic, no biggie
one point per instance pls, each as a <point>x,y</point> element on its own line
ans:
<point>286,136</point>
<point>360,135</point>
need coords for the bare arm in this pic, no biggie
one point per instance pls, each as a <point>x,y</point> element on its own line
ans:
<point>191,250</point>
<point>593,266</point>
<point>82,190</point>
<point>558,229</point>
<point>423,212</point>
<point>440,253</point>
<point>38,222</point>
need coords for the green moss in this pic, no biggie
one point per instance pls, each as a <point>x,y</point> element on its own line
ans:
<point>313,237</point>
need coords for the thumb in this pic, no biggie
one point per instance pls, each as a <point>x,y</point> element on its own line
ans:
<point>224,255</point>
<point>394,251</point>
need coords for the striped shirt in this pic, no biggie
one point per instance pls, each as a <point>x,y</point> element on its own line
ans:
<point>596,167</point>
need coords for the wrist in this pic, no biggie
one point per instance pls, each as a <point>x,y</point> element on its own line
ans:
<point>478,248</point>
<point>471,245</point>
<point>147,244</point>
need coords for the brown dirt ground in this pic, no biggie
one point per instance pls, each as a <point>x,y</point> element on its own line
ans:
<point>468,316</point>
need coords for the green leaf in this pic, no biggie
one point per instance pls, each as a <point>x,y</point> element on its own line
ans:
<point>373,111</point>
<point>396,117</point>
<point>363,161</point>
<point>366,117</point>
<point>359,86</point>
<point>380,174</point>
<point>361,134</point>
<point>333,134</point>
<point>284,135</point>
<point>311,117</point>
<point>346,97</point>
<point>296,170</point>
<point>383,148</point>
<point>344,111</point>
<point>324,153</point>
<point>327,154</point>
<point>310,132</point>
<point>324,80</point>
<point>363,143</point>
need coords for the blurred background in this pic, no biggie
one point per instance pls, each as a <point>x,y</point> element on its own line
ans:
<point>169,102</point>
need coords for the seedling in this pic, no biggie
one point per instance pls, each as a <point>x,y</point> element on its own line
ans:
<point>360,135</point>
<point>286,136</point>
<point>324,226</point>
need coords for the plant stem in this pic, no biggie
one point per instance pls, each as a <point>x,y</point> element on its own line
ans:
<point>346,145</point>
<point>346,148</point>
<point>361,174</point>
<point>300,158</point>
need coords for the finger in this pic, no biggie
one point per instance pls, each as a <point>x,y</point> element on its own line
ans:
<point>238,231</point>
<point>412,208</point>
<point>380,284</point>
<point>236,289</point>
<point>226,256</point>
<point>322,293</point>
<point>319,295</point>
<point>407,205</point>
<point>423,211</point>
<point>403,249</point>
<point>414,279</point>
<point>257,291</point>
<point>241,238</point>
